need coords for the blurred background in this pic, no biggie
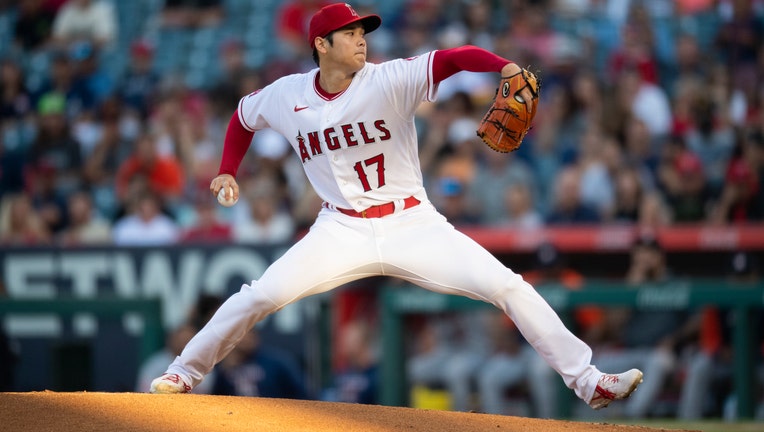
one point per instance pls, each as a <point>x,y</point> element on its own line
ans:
<point>635,204</point>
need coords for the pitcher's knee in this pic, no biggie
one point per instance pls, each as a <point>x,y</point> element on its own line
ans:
<point>257,299</point>
<point>511,285</point>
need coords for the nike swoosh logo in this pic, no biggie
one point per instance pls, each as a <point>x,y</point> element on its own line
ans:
<point>298,109</point>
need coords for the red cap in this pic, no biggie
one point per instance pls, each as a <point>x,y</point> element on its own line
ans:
<point>336,16</point>
<point>739,172</point>
<point>141,48</point>
<point>688,163</point>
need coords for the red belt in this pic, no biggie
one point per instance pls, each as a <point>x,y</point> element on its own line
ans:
<point>379,211</point>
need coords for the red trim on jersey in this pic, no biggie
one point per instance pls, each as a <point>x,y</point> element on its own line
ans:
<point>466,58</point>
<point>429,76</point>
<point>323,94</point>
<point>235,145</point>
<point>241,118</point>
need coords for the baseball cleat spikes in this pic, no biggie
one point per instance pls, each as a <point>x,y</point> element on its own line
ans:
<point>169,384</point>
<point>612,387</point>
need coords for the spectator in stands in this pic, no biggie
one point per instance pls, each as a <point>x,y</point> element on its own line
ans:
<point>273,157</point>
<point>268,221</point>
<point>47,201</point>
<point>11,170</point>
<point>687,194</point>
<point>92,21</point>
<point>185,127</point>
<point>164,174</point>
<point>739,40</point>
<point>84,226</point>
<point>460,158</point>
<point>640,149</point>
<point>532,33</point>
<point>629,196</point>
<point>196,142</point>
<point>357,378</point>
<point>192,13</point>
<point>452,200</point>
<point>20,225</point>
<point>476,20</point>
<point>306,205</point>
<point>553,144</point>
<point>139,85</point>
<point>521,212</point>
<point>54,153</point>
<point>207,225</point>
<point>686,91</point>
<point>16,126</point>
<point>61,80</point>
<point>234,73</point>
<point>291,24</point>
<point>497,172</point>
<point>34,25</point>
<point>15,97</point>
<point>646,102</point>
<point>688,65</point>
<point>597,186</point>
<point>587,101</point>
<point>712,139</point>
<point>567,207</point>
<point>740,200</point>
<point>635,51</point>
<point>145,224</point>
<point>115,138</point>
<point>88,73</point>
<point>252,369</point>
<point>449,146</point>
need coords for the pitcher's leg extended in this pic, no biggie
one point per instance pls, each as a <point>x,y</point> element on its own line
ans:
<point>322,260</point>
<point>437,257</point>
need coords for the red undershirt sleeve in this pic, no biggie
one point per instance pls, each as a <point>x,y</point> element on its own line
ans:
<point>235,146</point>
<point>465,58</point>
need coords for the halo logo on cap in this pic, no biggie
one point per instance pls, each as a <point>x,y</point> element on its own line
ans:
<point>352,11</point>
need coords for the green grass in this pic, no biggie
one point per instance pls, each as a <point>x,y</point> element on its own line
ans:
<point>704,426</point>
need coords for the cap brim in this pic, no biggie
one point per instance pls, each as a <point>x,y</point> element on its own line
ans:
<point>371,23</point>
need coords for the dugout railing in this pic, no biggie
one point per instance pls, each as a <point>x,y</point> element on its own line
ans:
<point>398,302</point>
<point>151,338</point>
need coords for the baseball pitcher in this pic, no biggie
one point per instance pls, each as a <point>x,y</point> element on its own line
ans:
<point>351,124</point>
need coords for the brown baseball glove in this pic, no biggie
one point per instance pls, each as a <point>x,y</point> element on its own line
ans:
<point>508,120</point>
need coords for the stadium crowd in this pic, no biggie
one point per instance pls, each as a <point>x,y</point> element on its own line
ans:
<point>652,113</point>
<point>112,117</point>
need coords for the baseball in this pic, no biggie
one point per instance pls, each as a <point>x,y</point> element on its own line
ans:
<point>226,202</point>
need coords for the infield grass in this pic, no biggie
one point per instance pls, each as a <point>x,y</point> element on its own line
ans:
<point>704,426</point>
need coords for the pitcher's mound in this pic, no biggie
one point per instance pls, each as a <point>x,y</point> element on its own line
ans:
<point>138,412</point>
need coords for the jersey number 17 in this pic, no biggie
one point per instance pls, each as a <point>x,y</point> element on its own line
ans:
<point>360,169</point>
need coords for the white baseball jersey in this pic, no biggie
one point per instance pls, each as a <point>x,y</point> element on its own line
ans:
<point>345,144</point>
<point>359,149</point>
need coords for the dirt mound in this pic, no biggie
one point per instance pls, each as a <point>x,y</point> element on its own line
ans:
<point>137,412</point>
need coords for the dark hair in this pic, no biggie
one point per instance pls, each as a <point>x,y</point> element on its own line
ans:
<point>330,38</point>
<point>648,241</point>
